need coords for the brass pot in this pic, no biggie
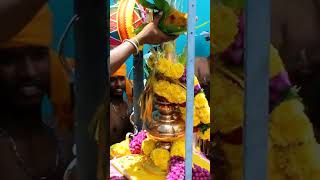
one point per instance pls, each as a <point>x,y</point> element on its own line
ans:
<point>167,124</point>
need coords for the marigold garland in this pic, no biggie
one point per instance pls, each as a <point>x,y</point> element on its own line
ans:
<point>205,135</point>
<point>178,148</point>
<point>293,150</point>
<point>196,119</point>
<point>172,92</point>
<point>169,69</point>
<point>160,158</point>
<point>289,124</point>
<point>176,93</point>
<point>148,145</point>
<point>225,28</point>
<point>200,101</point>
<point>200,115</point>
<point>275,64</point>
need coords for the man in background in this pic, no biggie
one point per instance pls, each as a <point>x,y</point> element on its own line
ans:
<point>120,110</point>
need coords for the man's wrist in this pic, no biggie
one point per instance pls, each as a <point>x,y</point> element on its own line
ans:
<point>139,39</point>
<point>133,44</point>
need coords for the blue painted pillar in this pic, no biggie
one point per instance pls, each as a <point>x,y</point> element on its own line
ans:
<point>190,86</point>
<point>257,40</point>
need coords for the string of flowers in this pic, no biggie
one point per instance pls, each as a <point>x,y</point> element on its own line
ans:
<point>293,152</point>
<point>172,87</point>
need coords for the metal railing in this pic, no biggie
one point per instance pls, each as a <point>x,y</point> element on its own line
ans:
<point>190,87</point>
<point>257,40</point>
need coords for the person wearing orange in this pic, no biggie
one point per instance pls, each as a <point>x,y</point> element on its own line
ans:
<point>151,34</point>
<point>29,73</point>
<point>120,110</point>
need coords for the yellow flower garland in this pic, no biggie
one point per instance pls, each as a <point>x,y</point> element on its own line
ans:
<point>204,115</point>
<point>200,101</point>
<point>228,104</point>
<point>200,115</point>
<point>169,69</point>
<point>289,124</point>
<point>160,158</point>
<point>293,152</point>
<point>205,135</point>
<point>196,81</point>
<point>298,162</point>
<point>148,145</point>
<point>172,92</point>
<point>225,27</point>
<point>175,93</point>
<point>196,119</point>
<point>178,148</point>
<point>275,64</point>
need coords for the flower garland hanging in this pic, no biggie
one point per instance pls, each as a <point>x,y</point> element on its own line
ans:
<point>293,152</point>
<point>169,81</point>
<point>225,27</point>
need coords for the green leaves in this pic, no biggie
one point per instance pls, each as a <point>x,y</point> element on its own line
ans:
<point>139,29</point>
<point>147,4</point>
<point>163,5</point>
<point>182,58</point>
<point>203,127</point>
<point>171,29</point>
<point>293,93</point>
<point>166,9</point>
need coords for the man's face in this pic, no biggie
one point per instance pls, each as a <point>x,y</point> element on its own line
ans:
<point>24,75</point>
<point>118,85</point>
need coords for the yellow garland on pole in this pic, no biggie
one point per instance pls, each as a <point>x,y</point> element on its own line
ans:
<point>293,150</point>
<point>225,27</point>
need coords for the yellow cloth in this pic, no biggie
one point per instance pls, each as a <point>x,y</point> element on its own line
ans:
<point>38,32</point>
<point>131,166</point>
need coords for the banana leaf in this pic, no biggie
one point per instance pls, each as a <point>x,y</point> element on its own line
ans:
<point>147,4</point>
<point>183,56</point>
<point>169,13</point>
<point>172,29</point>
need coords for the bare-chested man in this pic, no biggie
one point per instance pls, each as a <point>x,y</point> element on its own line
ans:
<point>30,148</point>
<point>120,110</point>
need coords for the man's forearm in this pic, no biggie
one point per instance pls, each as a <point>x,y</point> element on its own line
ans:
<point>15,14</point>
<point>119,55</point>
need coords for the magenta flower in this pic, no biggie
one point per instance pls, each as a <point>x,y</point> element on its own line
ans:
<point>280,82</point>
<point>136,143</point>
